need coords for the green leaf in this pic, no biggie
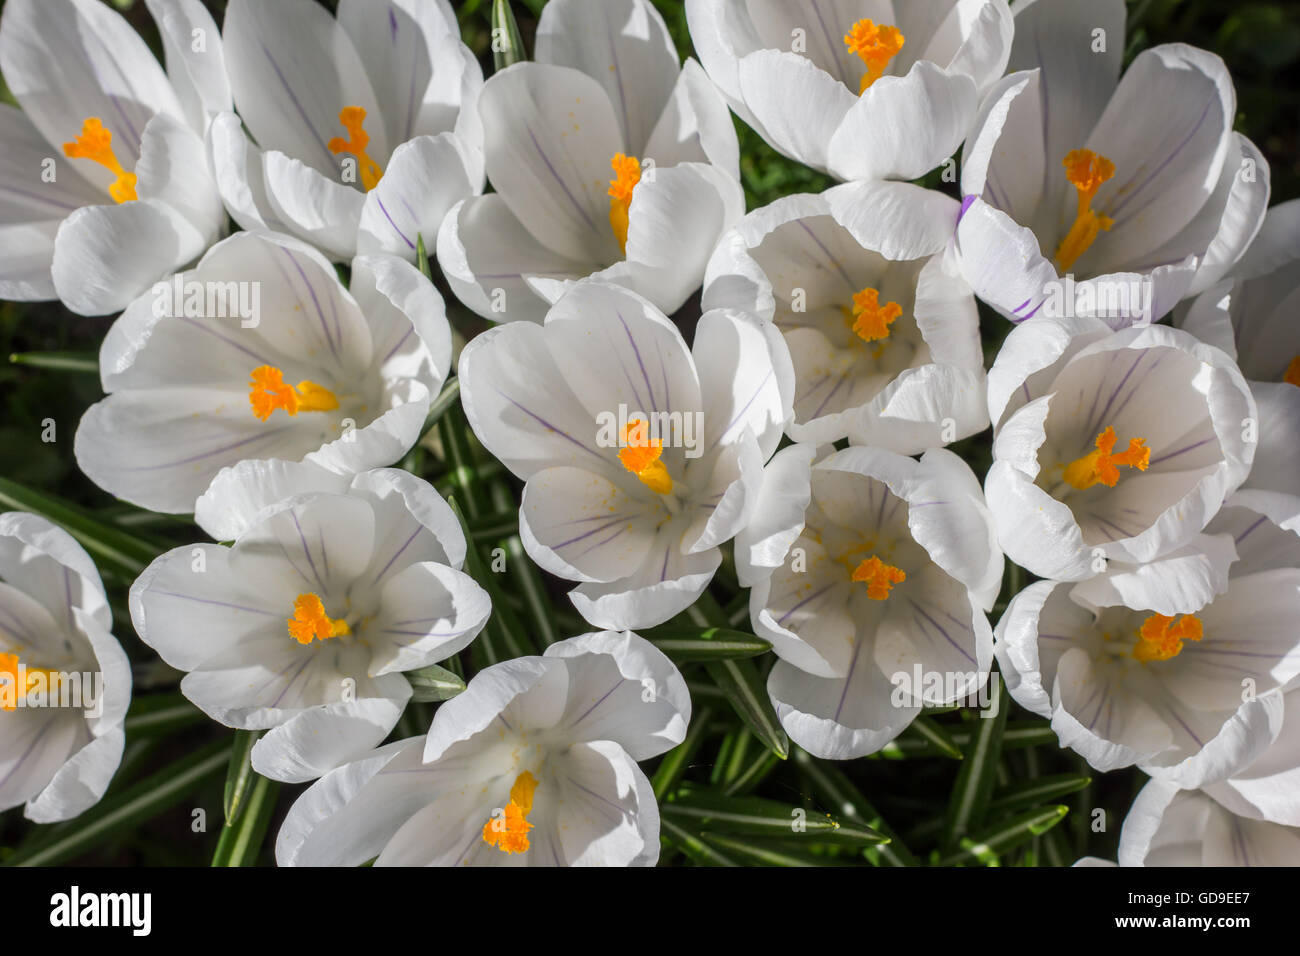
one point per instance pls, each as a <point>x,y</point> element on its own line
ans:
<point>975,780</point>
<point>759,816</point>
<point>693,846</point>
<point>502,637</point>
<point>674,763</point>
<point>988,845</point>
<point>832,786</point>
<point>739,680</point>
<point>434,683</point>
<point>422,257</point>
<point>241,843</point>
<point>239,774</point>
<point>143,801</point>
<point>507,45</point>
<point>935,735</point>
<point>154,714</point>
<point>688,645</point>
<point>522,572</point>
<point>85,363</point>
<point>453,428</point>
<point>766,852</point>
<point>109,546</point>
<point>1037,791</point>
<point>448,397</point>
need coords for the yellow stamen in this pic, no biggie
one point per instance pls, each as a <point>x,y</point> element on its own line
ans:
<point>9,664</point>
<point>268,391</point>
<point>353,118</point>
<point>510,835</point>
<point>1086,171</point>
<point>640,455</point>
<point>1160,638</point>
<point>310,622</point>
<point>96,144</point>
<point>1102,466</point>
<point>871,320</point>
<point>875,45</point>
<point>627,173</point>
<point>1292,376</point>
<point>878,576</point>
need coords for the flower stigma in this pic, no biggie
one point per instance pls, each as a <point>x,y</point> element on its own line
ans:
<point>310,622</point>
<point>1160,639</point>
<point>627,173</point>
<point>878,576</point>
<point>353,119</point>
<point>1086,171</point>
<point>509,833</point>
<point>1102,465</point>
<point>641,455</point>
<point>267,391</point>
<point>875,46</point>
<point>96,144</point>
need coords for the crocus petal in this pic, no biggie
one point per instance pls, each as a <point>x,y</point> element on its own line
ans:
<point>196,62</point>
<point>424,178</point>
<point>879,138</point>
<point>624,46</point>
<point>553,176</point>
<point>318,740</point>
<point>292,70</point>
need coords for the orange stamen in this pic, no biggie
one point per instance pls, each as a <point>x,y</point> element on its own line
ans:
<point>353,118</point>
<point>1102,466</point>
<point>878,576</point>
<point>1160,638</point>
<point>310,622</point>
<point>875,46</point>
<point>96,144</point>
<point>1086,171</point>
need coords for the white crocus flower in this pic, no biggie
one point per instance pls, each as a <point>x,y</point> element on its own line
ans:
<point>65,682</point>
<point>533,764</point>
<point>1251,316</point>
<point>304,626</point>
<point>641,456</point>
<point>862,89</point>
<point>106,186</point>
<point>883,333</point>
<point>871,573</point>
<point>260,352</point>
<point>1110,445</point>
<point>1168,826</point>
<point>1136,189</point>
<point>363,129</point>
<point>1170,664</point>
<point>609,158</point>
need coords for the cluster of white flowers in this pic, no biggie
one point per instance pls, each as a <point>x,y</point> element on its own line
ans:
<point>675,381</point>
